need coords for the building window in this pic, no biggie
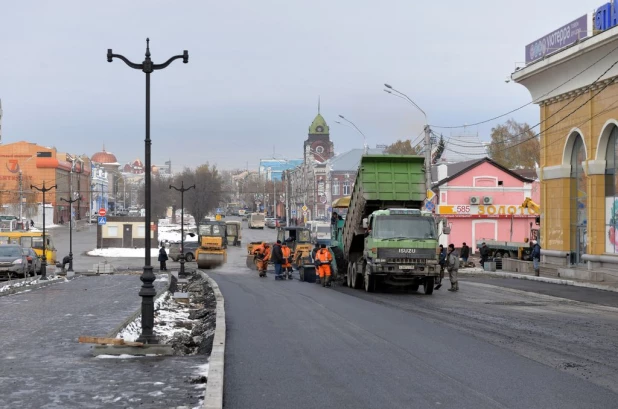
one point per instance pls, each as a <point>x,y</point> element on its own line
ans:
<point>141,231</point>
<point>346,188</point>
<point>579,201</point>
<point>611,193</point>
<point>112,231</point>
<point>335,187</point>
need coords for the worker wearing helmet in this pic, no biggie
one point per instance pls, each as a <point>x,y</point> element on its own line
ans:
<point>324,258</point>
<point>262,255</point>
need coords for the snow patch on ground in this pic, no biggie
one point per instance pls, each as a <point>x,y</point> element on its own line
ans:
<point>11,285</point>
<point>121,252</point>
<point>132,331</point>
<point>122,356</point>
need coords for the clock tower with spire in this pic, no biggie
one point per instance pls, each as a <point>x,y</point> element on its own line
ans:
<point>318,145</point>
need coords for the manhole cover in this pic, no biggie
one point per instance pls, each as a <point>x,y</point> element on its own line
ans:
<point>516,303</point>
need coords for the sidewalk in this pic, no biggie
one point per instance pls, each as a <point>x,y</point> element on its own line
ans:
<point>606,286</point>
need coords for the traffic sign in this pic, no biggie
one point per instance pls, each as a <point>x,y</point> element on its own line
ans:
<point>430,206</point>
<point>430,194</point>
<point>304,213</point>
<point>218,217</point>
<point>102,212</point>
<point>294,212</point>
<point>102,220</point>
<point>305,208</point>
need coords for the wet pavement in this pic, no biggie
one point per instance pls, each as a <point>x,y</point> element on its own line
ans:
<point>43,366</point>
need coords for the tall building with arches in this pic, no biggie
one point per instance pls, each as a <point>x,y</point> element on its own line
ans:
<point>576,88</point>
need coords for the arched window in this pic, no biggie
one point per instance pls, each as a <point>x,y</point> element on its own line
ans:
<point>611,193</point>
<point>579,200</point>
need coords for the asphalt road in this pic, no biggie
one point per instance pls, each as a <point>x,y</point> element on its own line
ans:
<point>297,345</point>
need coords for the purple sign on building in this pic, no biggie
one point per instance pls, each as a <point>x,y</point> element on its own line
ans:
<point>558,39</point>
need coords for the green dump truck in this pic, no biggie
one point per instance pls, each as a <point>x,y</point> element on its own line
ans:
<point>386,238</point>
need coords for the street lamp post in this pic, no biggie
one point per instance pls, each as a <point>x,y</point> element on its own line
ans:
<point>427,129</point>
<point>365,147</point>
<point>182,191</point>
<point>44,258</point>
<point>147,292</point>
<point>70,271</point>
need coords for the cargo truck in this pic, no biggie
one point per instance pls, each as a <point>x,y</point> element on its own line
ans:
<point>386,237</point>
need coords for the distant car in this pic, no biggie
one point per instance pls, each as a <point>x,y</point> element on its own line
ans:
<point>190,247</point>
<point>270,222</point>
<point>13,262</point>
<point>281,223</point>
<point>34,261</point>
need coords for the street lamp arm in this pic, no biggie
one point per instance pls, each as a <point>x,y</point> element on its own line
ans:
<point>407,98</point>
<point>184,56</point>
<point>111,56</point>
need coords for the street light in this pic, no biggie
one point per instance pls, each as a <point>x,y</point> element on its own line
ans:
<point>147,292</point>
<point>70,271</point>
<point>44,258</point>
<point>182,191</point>
<point>427,143</point>
<point>365,148</point>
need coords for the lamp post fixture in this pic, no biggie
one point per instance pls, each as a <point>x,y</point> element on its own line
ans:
<point>182,191</point>
<point>44,258</point>
<point>147,292</point>
<point>365,147</point>
<point>70,271</point>
<point>427,143</point>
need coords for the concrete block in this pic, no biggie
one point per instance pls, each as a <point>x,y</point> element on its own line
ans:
<point>149,349</point>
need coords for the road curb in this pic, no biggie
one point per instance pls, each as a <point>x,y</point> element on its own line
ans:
<point>21,289</point>
<point>543,279</point>
<point>213,398</point>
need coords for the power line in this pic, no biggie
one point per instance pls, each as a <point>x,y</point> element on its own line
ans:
<point>533,101</point>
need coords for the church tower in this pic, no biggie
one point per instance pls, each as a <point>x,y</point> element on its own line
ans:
<point>318,145</point>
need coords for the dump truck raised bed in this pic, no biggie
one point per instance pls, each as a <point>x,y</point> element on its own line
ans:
<point>386,238</point>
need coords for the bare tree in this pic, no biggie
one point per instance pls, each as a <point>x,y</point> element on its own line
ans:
<point>515,145</point>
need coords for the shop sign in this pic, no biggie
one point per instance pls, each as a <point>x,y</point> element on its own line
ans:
<point>564,36</point>
<point>485,211</point>
<point>606,16</point>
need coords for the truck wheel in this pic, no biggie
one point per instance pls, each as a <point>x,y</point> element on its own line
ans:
<point>428,285</point>
<point>370,283</point>
<point>349,276</point>
<point>301,273</point>
<point>357,277</point>
<point>339,262</point>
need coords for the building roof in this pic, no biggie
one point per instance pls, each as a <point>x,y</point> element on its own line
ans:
<point>350,160</point>
<point>451,168</point>
<point>474,164</point>
<point>104,157</point>
<point>319,121</point>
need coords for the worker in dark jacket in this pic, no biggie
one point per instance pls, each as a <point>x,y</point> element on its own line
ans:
<point>484,251</point>
<point>162,258</point>
<point>465,252</point>
<point>442,263</point>
<point>277,259</point>
<point>536,257</point>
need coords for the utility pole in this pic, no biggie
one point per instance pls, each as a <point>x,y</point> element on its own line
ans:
<point>21,200</point>
<point>274,196</point>
<point>427,157</point>
<point>44,258</point>
<point>182,191</point>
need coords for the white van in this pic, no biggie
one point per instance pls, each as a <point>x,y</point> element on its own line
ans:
<point>320,232</point>
<point>256,221</point>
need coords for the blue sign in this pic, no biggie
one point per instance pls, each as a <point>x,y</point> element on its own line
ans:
<point>556,40</point>
<point>429,206</point>
<point>293,212</point>
<point>606,16</point>
<point>330,209</point>
<point>102,220</point>
<point>218,210</point>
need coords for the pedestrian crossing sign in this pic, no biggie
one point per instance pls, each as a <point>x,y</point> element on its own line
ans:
<point>102,220</point>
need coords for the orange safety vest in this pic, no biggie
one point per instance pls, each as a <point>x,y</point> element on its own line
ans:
<point>324,256</point>
<point>286,251</point>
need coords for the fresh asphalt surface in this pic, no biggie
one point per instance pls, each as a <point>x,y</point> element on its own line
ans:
<point>298,345</point>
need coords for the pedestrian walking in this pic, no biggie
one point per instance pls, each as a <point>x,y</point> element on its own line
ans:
<point>287,260</point>
<point>442,263</point>
<point>277,259</point>
<point>324,258</point>
<point>31,223</point>
<point>484,251</point>
<point>465,252</point>
<point>452,264</point>
<point>536,257</point>
<point>162,258</point>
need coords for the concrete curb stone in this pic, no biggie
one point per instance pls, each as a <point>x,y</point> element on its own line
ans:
<point>21,289</point>
<point>213,398</point>
<point>541,279</point>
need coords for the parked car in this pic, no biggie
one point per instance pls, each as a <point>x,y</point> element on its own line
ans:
<point>13,262</point>
<point>34,261</point>
<point>174,251</point>
<point>281,223</point>
<point>270,222</point>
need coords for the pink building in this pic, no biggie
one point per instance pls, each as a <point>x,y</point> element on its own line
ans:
<point>482,201</point>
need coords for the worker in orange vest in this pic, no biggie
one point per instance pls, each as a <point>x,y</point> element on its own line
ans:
<point>287,261</point>
<point>324,258</point>
<point>262,255</point>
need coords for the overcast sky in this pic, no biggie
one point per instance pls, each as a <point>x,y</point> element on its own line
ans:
<point>256,70</point>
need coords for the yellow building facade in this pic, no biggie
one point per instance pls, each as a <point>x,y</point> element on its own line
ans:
<point>577,92</point>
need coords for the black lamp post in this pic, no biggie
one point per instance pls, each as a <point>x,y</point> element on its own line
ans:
<point>44,258</point>
<point>182,191</point>
<point>70,202</point>
<point>147,292</point>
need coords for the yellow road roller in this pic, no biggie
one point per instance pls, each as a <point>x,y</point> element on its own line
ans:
<point>211,251</point>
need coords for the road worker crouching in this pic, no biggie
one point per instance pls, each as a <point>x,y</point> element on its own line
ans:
<point>262,255</point>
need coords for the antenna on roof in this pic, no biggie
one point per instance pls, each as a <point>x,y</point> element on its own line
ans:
<point>318,104</point>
